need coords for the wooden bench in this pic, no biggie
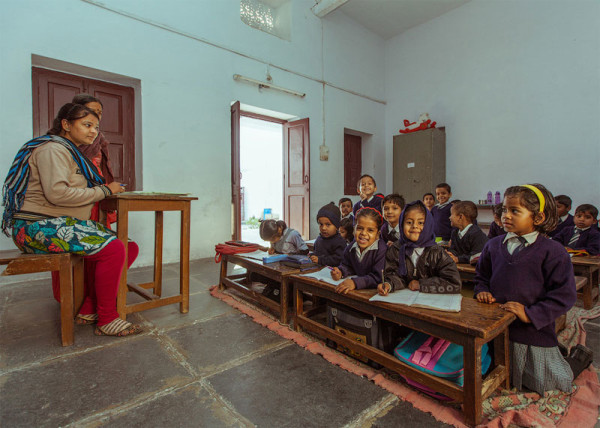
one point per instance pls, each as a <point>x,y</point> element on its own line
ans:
<point>476,324</point>
<point>70,268</point>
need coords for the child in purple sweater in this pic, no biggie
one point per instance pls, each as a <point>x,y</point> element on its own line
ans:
<point>532,277</point>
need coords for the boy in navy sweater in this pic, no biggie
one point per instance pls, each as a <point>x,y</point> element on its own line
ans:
<point>345,205</point>
<point>441,212</point>
<point>565,220</point>
<point>582,235</point>
<point>366,188</point>
<point>329,245</point>
<point>393,204</point>
<point>467,238</point>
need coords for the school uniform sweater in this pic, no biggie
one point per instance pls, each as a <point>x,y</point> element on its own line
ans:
<point>389,234</point>
<point>566,223</point>
<point>540,276</point>
<point>330,250</point>
<point>441,216</point>
<point>589,239</point>
<point>495,230</point>
<point>373,202</point>
<point>367,269</point>
<point>469,245</point>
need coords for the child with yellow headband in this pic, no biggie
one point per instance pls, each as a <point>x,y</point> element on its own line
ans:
<point>531,276</point>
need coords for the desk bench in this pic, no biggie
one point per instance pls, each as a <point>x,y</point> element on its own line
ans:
<point>589,268</point>
<point>476,324</point>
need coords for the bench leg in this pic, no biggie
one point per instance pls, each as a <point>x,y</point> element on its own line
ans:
<point>66,302</point>
<point>78,283</point>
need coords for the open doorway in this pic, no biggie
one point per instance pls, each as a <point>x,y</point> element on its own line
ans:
<point>261,169</point>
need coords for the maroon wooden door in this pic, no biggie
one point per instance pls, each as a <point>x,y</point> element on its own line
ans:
<point>52,89</point>
<point>352,162</point>
<point>296,187</point>
<point>236,199</point>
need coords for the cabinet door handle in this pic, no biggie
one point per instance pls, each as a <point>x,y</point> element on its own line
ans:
<point>306,179</point>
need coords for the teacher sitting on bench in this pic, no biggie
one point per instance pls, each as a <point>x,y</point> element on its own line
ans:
<point>48,195</point>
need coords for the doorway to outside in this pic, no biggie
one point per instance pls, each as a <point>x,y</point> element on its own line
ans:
<point>261,168</point>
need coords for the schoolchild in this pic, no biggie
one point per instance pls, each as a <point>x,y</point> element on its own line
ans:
<point>496,228</point>
<point>582,235</point>
<point>392,204</point>
<point>565,220</point>
<point>415,261</point>
<point>284,240</point>
<point>364,260</point>
<point>441,212</point>
<point>467,238</point>
<point>429,200</point>
<point>347,229</point>
<point>329,245</point>
<point>366,188</point>
<point>345,205</point>
<point>532,277</point>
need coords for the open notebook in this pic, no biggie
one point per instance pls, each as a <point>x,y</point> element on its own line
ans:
<point>325,276</point>
<point>440,302</point>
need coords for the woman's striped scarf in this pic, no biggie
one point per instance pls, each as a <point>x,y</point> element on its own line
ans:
<point>15,185</point>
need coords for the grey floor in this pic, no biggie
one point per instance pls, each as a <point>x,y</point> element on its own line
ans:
<point>212,367</point>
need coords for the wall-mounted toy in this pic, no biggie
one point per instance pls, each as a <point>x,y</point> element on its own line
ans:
<point>424,122</point>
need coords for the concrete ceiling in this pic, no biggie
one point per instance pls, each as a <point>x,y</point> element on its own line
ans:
<point>388,18</point>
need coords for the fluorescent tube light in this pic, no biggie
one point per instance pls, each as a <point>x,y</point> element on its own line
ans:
<point>260,84</point>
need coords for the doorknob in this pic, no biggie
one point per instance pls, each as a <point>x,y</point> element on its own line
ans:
<point>306,179</point>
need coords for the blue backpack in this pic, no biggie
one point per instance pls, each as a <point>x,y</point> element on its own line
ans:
<point>437,357</point>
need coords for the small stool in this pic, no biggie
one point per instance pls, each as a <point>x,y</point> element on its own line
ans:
<point>70,268</point>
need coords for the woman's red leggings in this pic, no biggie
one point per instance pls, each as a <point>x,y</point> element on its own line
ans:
<point>102,274</point>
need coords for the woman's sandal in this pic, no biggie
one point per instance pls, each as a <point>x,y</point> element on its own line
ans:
<point>118,327</point>
<point>86,319</point>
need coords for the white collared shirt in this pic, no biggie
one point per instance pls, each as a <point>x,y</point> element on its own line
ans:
<point>463,232</point>
<point>563,218</point>
<point>361,254</point>
<point>442,205</point>
<point>392,229</point>
<point>414,257</point>
<point>513,241</point>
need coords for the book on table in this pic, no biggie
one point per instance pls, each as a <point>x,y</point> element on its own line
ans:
<point>293,260</point>
<point>325,276</point>
<point>439,302</point>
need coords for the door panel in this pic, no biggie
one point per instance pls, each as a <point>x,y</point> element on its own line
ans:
<point>236,196</point>
<point>296,154</point>
<point>352,162</point>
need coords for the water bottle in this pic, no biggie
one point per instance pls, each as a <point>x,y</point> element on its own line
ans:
<point>489,197</point>
<point>497,198</point>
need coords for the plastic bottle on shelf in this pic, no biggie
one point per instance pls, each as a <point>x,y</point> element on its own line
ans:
<point>489,197</point>
<point>497,197</point>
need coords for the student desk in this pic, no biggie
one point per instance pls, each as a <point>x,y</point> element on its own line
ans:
<point>476,324</point>
<point>467,271</point>
<point>126,202</point>
<point>240,282</point>
<point>587,267</point>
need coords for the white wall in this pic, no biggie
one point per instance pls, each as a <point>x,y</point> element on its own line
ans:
<point>187,89</point>
<point>517,85</point>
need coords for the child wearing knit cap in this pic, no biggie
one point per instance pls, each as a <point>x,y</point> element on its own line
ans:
<point>329,245</point>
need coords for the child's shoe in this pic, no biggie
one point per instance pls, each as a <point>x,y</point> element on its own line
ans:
<point>579,359</point>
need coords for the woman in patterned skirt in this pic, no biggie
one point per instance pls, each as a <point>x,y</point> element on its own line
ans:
<point>48,195</point>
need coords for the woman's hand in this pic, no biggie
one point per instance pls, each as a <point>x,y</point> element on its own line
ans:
<point>414,285</point>
<point>518,309</point>
<point>485,297</point>
<point>383,289</point>
<point>336,274</point>
<point>345,286</point>
<point>116,187</point>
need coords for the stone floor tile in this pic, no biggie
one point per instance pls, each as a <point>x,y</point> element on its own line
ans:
<point>291,387</point>
<point>210,344</point>
<point>405,415</point>
<point>66,390</point>
<point>190,407</point>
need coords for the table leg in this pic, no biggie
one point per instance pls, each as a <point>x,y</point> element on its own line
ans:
<point>502,355</point>
<point>158,252</point>
<point>184,260</point>
<point>122,233</point>
<point>299,305</point>
<point>223,272</point>
<point>283,303</point>
<point>472,382</point>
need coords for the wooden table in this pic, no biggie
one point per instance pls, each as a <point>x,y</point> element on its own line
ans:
<point>476,324</point>
<point>587,267</point>
<point>467,271</point>
<point>240,282</point>
<point>124,203</point>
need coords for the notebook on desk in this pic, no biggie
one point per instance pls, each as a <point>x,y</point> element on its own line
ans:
<point>439,302</point>
<point>325,276</point>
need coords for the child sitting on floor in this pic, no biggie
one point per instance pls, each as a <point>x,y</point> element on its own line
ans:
<point>393,205</point>
<point>345,205</point>
<point>366,188</point>
<point>563,206</point>
<point>467,238</point>
<point>365,259</point>
<point>532,277</point>
<point>329,245</point>
<point>441,212</point>
<point>347,229</point>
<point>415,261</point>
<point>429,200</point>
<point>582,235</point>
<point>496,228</point>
